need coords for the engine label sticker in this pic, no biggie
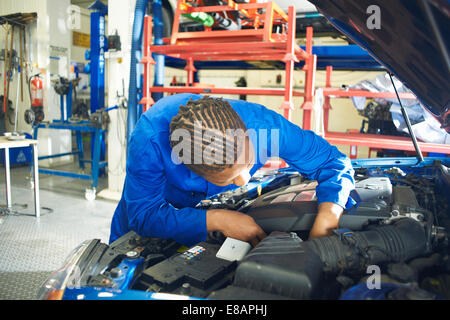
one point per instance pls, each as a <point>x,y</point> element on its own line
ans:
<point>193,252</point>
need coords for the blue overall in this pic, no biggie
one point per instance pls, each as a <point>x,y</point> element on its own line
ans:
<point>159,195</point>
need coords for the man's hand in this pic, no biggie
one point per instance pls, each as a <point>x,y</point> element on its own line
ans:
<point>327,219</point>
<point>235,225</point>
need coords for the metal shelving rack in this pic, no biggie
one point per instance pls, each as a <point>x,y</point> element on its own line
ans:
<point>373,141</point>
<point>260,43</point>
<point>256,42</point>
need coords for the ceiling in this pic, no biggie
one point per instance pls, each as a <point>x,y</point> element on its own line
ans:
<point>85,3</point>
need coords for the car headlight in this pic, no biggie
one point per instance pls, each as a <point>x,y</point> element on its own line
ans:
<point>67,276</point>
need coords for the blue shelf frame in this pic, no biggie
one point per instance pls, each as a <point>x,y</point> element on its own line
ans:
<point>78,128</point>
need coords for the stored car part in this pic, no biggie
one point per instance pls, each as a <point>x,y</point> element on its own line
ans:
<point>35,115</point>
<point>100,118</point>
<point>62,86</point>
<point>114,43</point>
<point>80,111</point>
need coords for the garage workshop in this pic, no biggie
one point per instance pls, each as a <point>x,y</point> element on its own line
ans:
<point>224,150</point>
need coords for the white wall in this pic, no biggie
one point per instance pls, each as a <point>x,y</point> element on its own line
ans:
<point>120,19</point>
<point>34,50</point>
<point>77,53</point>
<point>50,29</point>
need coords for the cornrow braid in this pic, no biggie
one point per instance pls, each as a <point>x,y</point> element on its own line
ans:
<point>214,117</point>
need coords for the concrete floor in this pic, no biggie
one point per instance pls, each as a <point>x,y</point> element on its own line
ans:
<point>31,248</point>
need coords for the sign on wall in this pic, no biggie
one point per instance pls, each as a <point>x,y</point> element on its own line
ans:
<point>81,39</point>
<point>59,58</point>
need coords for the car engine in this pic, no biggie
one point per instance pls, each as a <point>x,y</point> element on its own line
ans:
<point>394,240</point>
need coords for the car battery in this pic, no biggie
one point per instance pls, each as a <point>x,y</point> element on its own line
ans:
<point>195,271</point>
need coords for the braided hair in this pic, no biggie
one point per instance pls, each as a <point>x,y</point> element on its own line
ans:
<point>211,117</point>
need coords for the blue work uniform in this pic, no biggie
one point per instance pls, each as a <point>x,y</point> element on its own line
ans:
<point>159,195</point>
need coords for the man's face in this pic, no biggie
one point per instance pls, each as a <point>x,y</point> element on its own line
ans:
<point>239,173</point>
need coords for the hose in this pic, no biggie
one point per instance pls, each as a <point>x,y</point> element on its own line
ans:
<point>158,34</point>
<point>420,264</point>
<point>138,24</point>
<point>401,241</point>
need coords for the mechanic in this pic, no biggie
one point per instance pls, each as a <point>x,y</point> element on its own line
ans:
<point>164,182</point>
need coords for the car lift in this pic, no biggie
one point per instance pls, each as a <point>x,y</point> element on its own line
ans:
<point>97,130</point>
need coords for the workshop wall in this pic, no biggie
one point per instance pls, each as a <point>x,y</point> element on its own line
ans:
<point>120,19</point>
<point>80,20</point>
<point>82,25</point>
<point>34,52</point>
<point>49,48</point>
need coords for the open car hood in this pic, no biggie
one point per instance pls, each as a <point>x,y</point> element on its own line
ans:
<point>412,42</point>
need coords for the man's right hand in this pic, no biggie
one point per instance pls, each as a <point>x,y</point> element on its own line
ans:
<point>235,225</point>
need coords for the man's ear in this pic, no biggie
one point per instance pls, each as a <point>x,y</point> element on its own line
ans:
<point>245,175</point>
<point>242,179</point>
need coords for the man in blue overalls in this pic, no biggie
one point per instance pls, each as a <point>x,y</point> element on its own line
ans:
<point>175,160</point>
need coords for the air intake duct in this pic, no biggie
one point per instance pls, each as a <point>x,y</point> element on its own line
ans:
<point>354,251</point>
<point>284,265</point>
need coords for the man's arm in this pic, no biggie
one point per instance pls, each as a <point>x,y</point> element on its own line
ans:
<point>235,225</point>
<point>316,159</point>
<point>149,214</point>
<point>327,219</point>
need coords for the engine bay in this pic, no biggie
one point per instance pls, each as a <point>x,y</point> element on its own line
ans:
<point>394,240</point>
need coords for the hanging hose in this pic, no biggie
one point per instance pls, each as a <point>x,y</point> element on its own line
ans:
<point>158,34</point>
<point>138,25</point>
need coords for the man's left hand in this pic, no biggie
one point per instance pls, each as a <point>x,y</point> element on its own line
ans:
<point>327,219</point>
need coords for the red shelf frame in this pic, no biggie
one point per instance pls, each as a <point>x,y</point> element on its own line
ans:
<point>256,43</point>
<point>373,141</point>
<point>259,43</point>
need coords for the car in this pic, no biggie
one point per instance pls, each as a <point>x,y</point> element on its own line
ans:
<point>393,244</point>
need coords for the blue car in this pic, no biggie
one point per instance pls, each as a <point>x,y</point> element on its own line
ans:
<point>393,244</point>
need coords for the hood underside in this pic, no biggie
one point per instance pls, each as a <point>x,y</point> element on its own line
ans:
<point>411,40</point>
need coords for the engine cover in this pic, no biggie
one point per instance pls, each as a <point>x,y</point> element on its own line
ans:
<point>294,208</point>
<point>280,266</point>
